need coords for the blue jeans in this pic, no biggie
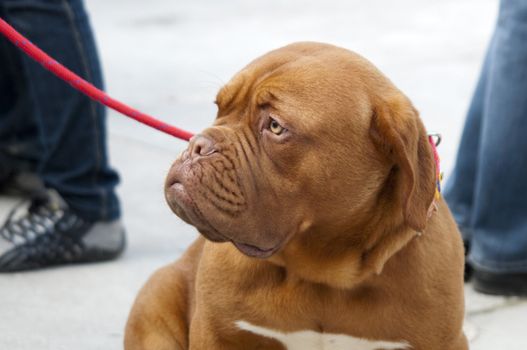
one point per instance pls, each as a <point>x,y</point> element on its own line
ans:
<point>45,125</point>
<point>487,191</point>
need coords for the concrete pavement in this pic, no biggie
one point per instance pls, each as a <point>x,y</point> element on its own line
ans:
<point>168,59</point>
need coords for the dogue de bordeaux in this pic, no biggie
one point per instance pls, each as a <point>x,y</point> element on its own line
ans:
<point>314,193</point>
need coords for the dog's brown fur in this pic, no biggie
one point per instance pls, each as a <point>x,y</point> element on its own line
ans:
<point>334,207</point>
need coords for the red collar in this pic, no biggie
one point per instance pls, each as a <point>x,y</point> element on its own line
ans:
<point>435,140</point>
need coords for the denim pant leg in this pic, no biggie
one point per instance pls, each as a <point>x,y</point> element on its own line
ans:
<point>20,146</point>
<point>498,219</point>
<point>500,207</point>
<point>71,127</point>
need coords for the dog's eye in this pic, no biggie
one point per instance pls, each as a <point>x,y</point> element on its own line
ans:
<point>275,127</point>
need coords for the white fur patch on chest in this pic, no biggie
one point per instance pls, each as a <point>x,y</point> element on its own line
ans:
<point>311,340</point>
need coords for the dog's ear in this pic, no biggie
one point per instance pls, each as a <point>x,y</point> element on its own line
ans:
<point>399,134</point>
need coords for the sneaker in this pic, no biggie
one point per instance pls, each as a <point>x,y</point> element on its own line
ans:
<point>48,233</point>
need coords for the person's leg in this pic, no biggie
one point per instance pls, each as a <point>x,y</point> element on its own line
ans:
<point>19,138</point>
<point>487,189</point>
<point>7,99</point>
<point>72,127</point>
<point>499,222</point>
<point>20,146</point>
<point>78,220</point>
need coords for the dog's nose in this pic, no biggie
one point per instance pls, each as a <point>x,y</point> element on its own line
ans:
<point>201,145</point>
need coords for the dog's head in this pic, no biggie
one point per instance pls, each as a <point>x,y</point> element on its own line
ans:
<point>309,139</point>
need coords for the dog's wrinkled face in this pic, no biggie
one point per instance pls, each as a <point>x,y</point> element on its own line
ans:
<point>291,151</point>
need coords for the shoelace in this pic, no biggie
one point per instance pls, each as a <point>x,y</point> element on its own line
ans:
<point>39,219</point>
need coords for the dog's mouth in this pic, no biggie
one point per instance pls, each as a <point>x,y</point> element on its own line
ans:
<point>185,207</point>
<point>253,251</point>
<point>178,197</point>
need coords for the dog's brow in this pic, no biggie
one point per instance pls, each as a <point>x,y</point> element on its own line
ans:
<point>235,90</point>
<point>223,97</point>
<point>265,97</point>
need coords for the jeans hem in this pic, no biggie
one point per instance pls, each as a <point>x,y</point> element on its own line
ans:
<point>95,216</point>
<point>498,266</point>
<point>93,213</point>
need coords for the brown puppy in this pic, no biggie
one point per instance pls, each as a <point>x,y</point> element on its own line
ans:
<point>319,173</point>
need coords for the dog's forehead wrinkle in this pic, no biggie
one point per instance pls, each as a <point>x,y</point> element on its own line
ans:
<point>235,92</point>
<point>266,95</point>
<point>261,71</point>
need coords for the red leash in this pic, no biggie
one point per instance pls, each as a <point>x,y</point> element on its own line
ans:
<point>85,87</point>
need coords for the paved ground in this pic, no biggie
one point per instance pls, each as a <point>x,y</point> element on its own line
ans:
<point>168,58</point>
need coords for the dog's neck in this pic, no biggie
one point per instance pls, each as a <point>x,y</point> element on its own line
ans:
<point>344,260</point>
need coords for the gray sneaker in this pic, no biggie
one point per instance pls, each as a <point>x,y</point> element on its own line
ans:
<point>48,233</point>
